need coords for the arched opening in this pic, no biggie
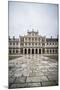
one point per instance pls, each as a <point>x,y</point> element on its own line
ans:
<point>25,51</point>
<point>36,51</point>
<point>39,51</point>
<point>32,51</point>
<point>28,51</point>
<point>21,50</point>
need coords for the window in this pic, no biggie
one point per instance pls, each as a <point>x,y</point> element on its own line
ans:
<point>35,38</point>
<point>25,38</point>
<point>13,51</point>
<point>43,44</point>
<point>25,43</point>
<point>39,39</point>
<point>43,40</point>
<point>29,43</point>
<point>47,43</point>
<point>35,43</point>
<point>21,44</point>
<point>39,43</point>
<point>13,43</point>
<point>56,51</point>
<point>16,51</point>
<point>29,39</point>
<point>32,43</point>
<point>10,51</point>
<point>32,39</point>
<point>50,43</point>
<point>47,51</point>
<point>53,43</point>
<point>53,50</point>
<point>32,34</point>
<point>17,43</point>
<point>10,43</point>
<point>50,50</point>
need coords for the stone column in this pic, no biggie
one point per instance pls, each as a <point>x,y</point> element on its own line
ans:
<point>45,51</point>
<point>15,51</point>
<point>12,51</point>
<point>27,50</point>
<point>23,50</point>
<point>34,50</point>
<point>30,50</point>
<point>38,50</point>
<point>41,50</point>
<point>49,51</point>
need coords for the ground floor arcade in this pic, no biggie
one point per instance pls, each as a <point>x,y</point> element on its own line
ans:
<point>38,51</point>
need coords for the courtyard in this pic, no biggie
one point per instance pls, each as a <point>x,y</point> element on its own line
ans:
<point>33,71</point>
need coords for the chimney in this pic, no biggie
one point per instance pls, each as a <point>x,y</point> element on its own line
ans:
<point>51,37</point>
<point>13,37</point>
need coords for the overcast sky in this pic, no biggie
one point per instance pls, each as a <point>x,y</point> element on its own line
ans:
<point>25,16</point>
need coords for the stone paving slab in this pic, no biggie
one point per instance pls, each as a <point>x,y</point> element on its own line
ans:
<point>34,84</point>
<point>49,83</point>
<point>37,79</point>
<point>20,80</point>
<point>32,70</point>
<point>20,85</point>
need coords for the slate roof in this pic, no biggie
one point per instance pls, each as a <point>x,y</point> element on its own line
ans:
<point>51,39</point>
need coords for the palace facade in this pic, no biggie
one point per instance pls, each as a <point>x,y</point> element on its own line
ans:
<point>33,43</point>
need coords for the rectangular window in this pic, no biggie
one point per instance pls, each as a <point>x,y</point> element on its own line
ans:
<point>29,43</point>
<point>10,43</point>
<point>17,43</point>
<point>16,51</point>
<point>39,43</point>
<point>10,51</point>
<point>32,43</point>
<point>50,43</point>
<point>35,43</point>
<point>47,51</point>
<point>35,38</point>
<point>13,51</point>
<point>25,38</point>
<point>13,43</point>
<point>25,43</point>
<point>53,43</point>
<point>47,43</point>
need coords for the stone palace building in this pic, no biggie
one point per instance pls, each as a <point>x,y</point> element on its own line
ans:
<point>33,43</point>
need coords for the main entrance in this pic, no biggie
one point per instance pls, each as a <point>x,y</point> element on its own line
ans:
<point>31,51</point>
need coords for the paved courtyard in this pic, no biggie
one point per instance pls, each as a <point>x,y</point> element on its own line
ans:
<point>33,71</point>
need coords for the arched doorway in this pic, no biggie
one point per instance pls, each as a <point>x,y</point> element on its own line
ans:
<point>36,51</point>
<point>32,51</point>
<point>25,51</point>
<point>39,51</point>
<point>28,51</point>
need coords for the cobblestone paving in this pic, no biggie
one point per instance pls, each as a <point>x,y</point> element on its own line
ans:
<point>33,71</point>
